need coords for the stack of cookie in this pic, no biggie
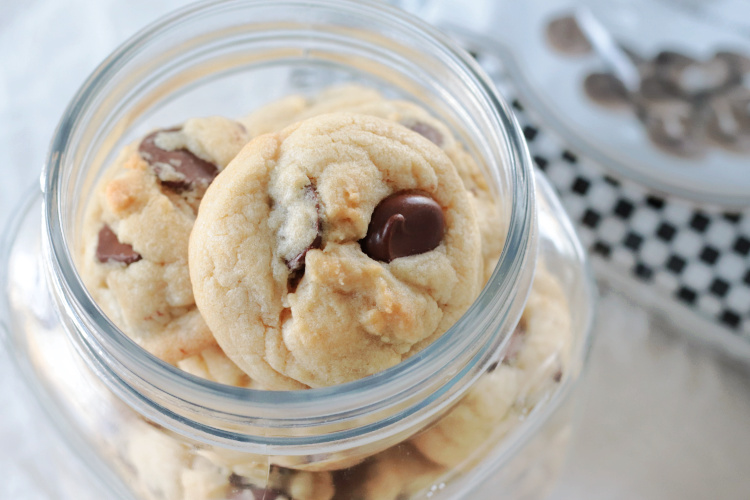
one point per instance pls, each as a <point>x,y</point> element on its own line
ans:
<point>314,242</point>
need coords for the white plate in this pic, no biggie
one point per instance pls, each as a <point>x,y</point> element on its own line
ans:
<point>552,84</point>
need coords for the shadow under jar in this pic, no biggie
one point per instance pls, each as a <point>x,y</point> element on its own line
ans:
<point>486,407</point>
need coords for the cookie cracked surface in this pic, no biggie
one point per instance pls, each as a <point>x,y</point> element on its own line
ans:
<point>135,241</point>
<point>277,269</point>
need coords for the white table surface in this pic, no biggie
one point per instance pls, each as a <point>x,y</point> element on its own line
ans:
<point>661,419</point>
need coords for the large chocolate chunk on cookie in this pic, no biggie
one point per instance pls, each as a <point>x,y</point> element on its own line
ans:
<point>306,196</point>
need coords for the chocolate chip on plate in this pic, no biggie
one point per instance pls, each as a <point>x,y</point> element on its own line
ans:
<point>110,249</point>
<point>705,77</point>
<point>676,130</point>
<point>672,59</point>
<point>427,131</point>
<point>178,169</point>
<point>405,223</point>
<point>685,104</point>
<point>296,264</point>
<point>728,121</point>
<point>606,89</point>
<point>739,102</point>
<point>564,35</point>
<point>655,89</point>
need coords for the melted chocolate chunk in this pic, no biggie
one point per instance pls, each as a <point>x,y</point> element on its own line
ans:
<point>405,223</point>
<point>296,264</point>
<point>428,132</point>
<point>109,248</point>
<point>189,169</point>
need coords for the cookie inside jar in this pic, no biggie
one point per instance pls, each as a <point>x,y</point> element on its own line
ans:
<point>311,243</point>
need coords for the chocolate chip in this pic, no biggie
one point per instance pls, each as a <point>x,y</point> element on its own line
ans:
<point>179,169</point>
<point>606,89</point>
<point>427,131</point>
<point>706,77</point>
<point>237,481</point>
<point>739,103</point>
<point>722,126</point>
<point>672,59</point>
<point>685,104</point>
<point>109,248</point>
<point>676,130</point>
<point>296,264</point>
<point>564,35</point>
<point>729,122</point>
<point>557,377</point>
<point>515,344</point>
<point>405,223</point>
<point>656,89</point>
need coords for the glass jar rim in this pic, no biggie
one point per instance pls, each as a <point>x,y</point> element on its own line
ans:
<point>232,406</point>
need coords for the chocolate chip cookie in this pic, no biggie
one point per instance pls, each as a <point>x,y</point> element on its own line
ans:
<point>135,243</point>
<point>362,100</point>
<point>301,284</point>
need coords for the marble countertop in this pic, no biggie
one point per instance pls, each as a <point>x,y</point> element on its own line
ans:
<point>662,418</point>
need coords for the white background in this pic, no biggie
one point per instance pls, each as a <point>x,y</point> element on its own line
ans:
<point>661,419</point>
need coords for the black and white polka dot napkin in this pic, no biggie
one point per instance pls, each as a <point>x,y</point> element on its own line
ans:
<point>694,257</point>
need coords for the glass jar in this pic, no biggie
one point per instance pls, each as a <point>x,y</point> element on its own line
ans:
<point>423,428</point>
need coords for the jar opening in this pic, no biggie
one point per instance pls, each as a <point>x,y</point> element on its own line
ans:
<point>355,35</point>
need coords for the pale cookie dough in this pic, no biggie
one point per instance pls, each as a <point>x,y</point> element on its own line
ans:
<point>534,364</point>
<point>135,241</point>
<point>166,469</point>
<point>362,100</point>
<point>212,364</point>
<point>469,425</point>
<point>307,193</point>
